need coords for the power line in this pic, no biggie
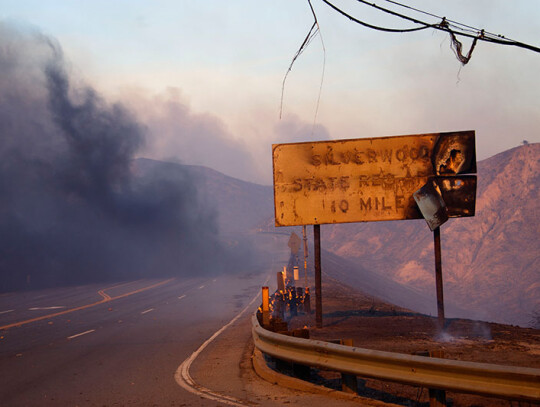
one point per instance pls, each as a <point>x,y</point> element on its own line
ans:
<point>481,34</point>
<point>445,25</point>
<point>374,27</point>
<point>431,14</point>
<point>451,22</point>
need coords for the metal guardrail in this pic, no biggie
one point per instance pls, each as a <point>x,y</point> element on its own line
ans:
<point>515,383</point>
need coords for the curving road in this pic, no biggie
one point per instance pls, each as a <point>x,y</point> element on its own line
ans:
<point>127,343</point>
<point>112,345</point>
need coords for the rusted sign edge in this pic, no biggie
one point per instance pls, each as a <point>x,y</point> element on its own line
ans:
<point>448,133</point>
<point>274,146</point>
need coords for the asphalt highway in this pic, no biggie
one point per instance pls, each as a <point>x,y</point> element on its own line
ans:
<point>116,344</point>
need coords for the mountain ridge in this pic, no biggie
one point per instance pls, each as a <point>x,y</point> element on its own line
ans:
<point>491,266</point>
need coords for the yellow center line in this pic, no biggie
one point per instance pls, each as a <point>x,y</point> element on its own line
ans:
<point>122,284</point>
<point>106,298</point>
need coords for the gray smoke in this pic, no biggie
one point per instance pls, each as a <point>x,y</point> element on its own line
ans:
<point>71,209</point>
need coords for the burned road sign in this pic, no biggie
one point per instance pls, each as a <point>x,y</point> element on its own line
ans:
<point>459,194</point>
<point>431,204</point>
<point>372,179</point>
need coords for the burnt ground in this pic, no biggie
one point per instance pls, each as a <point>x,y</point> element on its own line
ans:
<point>373,324</point>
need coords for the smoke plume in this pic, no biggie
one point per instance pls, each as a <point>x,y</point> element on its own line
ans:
<point>71,208</point>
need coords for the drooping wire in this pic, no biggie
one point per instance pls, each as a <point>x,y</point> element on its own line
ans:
<point>451,28</point>
<point>323,69</point>
<point>309,37</point>
<point>313,31</point>
<point>374,27</point>
<point>457,46</point>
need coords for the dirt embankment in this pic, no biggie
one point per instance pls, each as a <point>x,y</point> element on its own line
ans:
<point>374,324</point>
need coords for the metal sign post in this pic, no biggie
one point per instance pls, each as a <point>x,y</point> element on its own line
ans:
<point>434,210</point>
<point>438,277</point>
<point>304,236</point>
<point>307,297</point>
<point>318,280</point>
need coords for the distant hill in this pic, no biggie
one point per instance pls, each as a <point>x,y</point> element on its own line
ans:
<point>491,262</point>
<point>239,206</point>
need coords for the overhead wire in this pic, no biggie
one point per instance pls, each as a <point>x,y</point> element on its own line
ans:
<point>453,28</point>
<point>498,39</point>
<point>395,30</point>
<point>456,45</point>
<point>445,25</point>
<point>451,22</point>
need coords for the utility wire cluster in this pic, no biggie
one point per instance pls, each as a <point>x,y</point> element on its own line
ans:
<point>452,27</point>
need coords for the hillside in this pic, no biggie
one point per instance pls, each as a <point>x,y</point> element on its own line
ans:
<point>239,206</point>
<point>491,262</point>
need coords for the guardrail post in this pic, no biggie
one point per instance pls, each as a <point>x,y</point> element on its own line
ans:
<point>301,371</point>
<point>265,307</point>
<point>349,382</point>
<point>437,397</point>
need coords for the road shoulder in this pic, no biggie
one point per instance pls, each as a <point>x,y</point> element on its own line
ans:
<point>226,367</point>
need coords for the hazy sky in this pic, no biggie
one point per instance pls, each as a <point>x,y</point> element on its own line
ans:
<point>204,76</point>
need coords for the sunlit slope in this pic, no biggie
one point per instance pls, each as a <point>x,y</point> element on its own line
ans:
<point>491,262</point>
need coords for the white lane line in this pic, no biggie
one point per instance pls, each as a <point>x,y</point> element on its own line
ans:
<point>81,334</point>
<point>148,310</point>
<point>184,379</point>
<point>46,308</point>
<point>5,312</point>
<point>201,287</point>
<point>183,296</point>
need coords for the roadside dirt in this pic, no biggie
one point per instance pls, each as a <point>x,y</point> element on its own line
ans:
<point>373,324</point>
<point>226,367</point>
